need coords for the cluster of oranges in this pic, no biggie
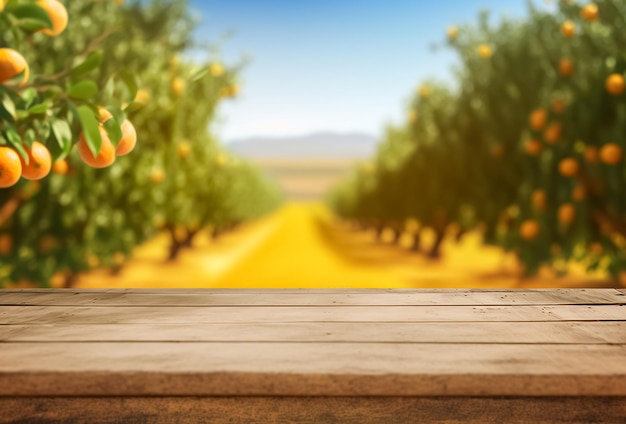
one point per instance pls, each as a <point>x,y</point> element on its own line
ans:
<point>37,161</point>
<point>610,154</point>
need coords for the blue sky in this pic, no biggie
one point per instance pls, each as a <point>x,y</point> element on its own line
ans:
<point>338,65</point>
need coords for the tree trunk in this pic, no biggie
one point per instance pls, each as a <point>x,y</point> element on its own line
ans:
<point>397,234</point>
<point>460,235</point>
<point>379,232</point>
<point>435,250</point>
<point>175,245</point>
<point>70,280</point>
<point>188,242</point>
<point>417,241</point>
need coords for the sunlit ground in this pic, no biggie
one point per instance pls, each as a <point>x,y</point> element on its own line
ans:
<point>302,246</point>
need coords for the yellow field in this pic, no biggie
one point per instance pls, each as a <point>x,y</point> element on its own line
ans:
<point>301,246</point>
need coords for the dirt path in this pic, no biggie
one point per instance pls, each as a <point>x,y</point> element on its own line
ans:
<point>301,246</point>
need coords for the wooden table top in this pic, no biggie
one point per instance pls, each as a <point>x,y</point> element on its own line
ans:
<point>313,343</point>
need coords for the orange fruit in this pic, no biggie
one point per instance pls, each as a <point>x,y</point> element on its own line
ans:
<point>529,230</point>
<point>567,214</point>
<point>183,149</point>
<point>553,133</point>
<point>568,29</point>
<point>591,154</point>
<point>538,119</point>
<point>142,95</point>
<point>539,199</point>
<point>216,69</point>
<point>533,147</point>
<point>10,167</point>
<point>178,86</point>
<point>590,12</point>
<point>566,67</point>
<point>103,114</point>
<point>615,84</point>
<point>611,154</point>
<point>105,158</point>
<point>47,243</point>
<point>58,16</point>
<point>39,162</point>
<point>596,249</point>
<point>60,167</point>
<point>2,4</point>
<point>129,139</point>
<point>452,32</point>
<point>424,91</point>
<point>558,106</point>
<point>568,167</point>
<point>6,244</point>
<point>12,64</point>
<point>157,176</point>
<point>579,193</point>
<point>484,51</point>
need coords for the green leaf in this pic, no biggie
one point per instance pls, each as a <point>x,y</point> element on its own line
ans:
<point>117,113</point>
<point>83,90</point>
<point>93,61</point>
<point>114,130</point>
<point>63,135</point>
<point>31,17</point>
<point>8,107</point>
<point>29,96</point>
<point>39,109</point>
<point>91,131</point>
<point>134,106</point>
<point>29,137</point>
<point>199,74</point>
<point>131,84</point>
<point>16,141</point>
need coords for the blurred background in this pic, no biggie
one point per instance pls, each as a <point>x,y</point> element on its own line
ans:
<point>473,143</point>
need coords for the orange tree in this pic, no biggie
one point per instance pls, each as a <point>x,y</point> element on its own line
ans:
<point>43,113</point>
<point>534,129</point>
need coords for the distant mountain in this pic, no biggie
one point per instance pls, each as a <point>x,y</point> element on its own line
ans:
<point>323,145</point>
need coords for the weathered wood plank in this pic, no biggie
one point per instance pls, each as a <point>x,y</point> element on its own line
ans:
<point>203,315</point>
<point>313,410</point>
<point>310,369</point>
<point>228,298</point>
<point>435,332</point>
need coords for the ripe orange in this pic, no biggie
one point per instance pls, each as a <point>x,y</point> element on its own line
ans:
<point>568,167</point>
<point>590,12</point>
<point>568,29</point>
<point>10,167</point>
<point>579,193</point>
<point>157,176</point>
<point>567,214</point>
<point>2,4</point>
<point>424,91</point>
<point>60,167</point>
<point>611,154</point>
<point>484,51</point>
<point>6,244</point>
<point>591,154</point>
<point>58,16</point>
<point>539,199</point>
<point>142,95</point>
<point>452,32</point>
<point>558,106</point>
<point>596,249</point>
<point>39,162</point>
<point>566,67</point>
<point>553,133</point>
<point>129,139</point>
<point>183,149</point>
<point>105,158</point>
<point>615,84</point>
<point>216,69</point>
<point>12,64</point>
<point>103,114</point>
<point>533,147</point>
<point>538,119</point>
<point>529,230</point>
<point>178,86</point>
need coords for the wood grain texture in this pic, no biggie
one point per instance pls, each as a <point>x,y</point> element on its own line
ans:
<point>328,332</point>
<point>313,356</point>
<point>330,369</point>
<point>312,410</point>
<point>220,314</point>
<point>175,298</point>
